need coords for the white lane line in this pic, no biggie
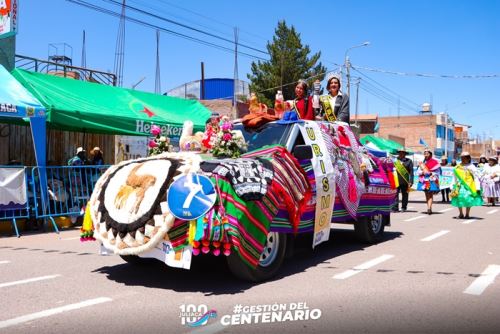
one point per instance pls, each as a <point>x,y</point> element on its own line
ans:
<point>410,207</point>
<point>445,210</point>
<point>414,218</point>
<point>29,280</point>
<point>481,283</point>
<point>4,262</point>
<point>74,238</point>
<point>52,311</point>
<point>435,235</point>
<point>491,212</point>
<point>363,266</point>
<point>469,221</point>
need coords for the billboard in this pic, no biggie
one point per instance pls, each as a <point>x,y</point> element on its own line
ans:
<point>8,17</point>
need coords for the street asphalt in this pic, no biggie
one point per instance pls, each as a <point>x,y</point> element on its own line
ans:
<point>429,274</point>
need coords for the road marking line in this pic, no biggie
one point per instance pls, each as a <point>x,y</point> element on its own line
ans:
<point>4,262</point>
<point>469,221</point>
<point>491,212</point>
<point>52,311</point>
<point>74,238</point>
<point>410,207</point>
<point>414,218</point>
<point>435,235</point>
<point>29,280</point>
<point>445,210</point>
<point>481,283</point>
<point>363,266</point>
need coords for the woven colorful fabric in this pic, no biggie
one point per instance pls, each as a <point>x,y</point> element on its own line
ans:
<point>248,222</point>
<point>290,183</point>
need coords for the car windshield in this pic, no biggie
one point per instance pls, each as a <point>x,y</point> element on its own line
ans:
<point>268,134</point>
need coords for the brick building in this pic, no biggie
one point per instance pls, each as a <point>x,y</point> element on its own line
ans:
<point>410,130</point>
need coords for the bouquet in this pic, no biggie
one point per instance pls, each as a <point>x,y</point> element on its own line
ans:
<point>158,144</point>
<point>228,143</point>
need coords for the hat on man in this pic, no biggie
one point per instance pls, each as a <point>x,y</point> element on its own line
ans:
<point>79,149</point>
<point>403,149</point>
<point>95,149</point>
<point>493,158</point>
<point>444,157</point>
<point>465,154</point>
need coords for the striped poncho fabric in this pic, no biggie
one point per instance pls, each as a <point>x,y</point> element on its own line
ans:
<point>290,183</point>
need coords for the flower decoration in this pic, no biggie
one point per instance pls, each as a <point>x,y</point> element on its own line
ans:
<point>227,142</point>
<point>158,144</point>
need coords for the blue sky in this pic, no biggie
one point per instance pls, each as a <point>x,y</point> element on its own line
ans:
<point>443,37</point>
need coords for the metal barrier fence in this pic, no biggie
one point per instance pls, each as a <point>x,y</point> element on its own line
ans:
<point>12,179</point>
<point>68,190</point>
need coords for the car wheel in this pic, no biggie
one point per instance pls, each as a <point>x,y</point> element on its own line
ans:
<point>270,260</point>
<point>370,229</point>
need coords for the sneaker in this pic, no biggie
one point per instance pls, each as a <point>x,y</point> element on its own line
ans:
<point>403,210</point>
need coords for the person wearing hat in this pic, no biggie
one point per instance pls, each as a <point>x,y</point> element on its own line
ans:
<point>79,159</point>
<point>428,178</point>
<point>97,158</point>
<point>445,193</point>
<point>335,105</point>
<point>491,181</point>
<point>466,191</point>
<point>404,169</point>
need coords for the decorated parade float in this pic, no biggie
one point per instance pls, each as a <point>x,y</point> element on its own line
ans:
<point>244,190</point>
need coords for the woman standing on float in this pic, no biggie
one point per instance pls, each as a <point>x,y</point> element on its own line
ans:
<point>335,105</point>
<point>302,103</point>
<point>467,188</point>
<point>428,178</point>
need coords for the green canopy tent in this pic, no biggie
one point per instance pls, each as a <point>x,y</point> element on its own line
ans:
<point>75,105</point>
<point>383,144</point>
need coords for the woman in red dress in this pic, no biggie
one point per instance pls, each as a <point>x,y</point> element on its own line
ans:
<point>303,103</point>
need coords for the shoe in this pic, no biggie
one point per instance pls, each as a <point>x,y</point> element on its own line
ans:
<point>466,217</point>
<point>460,216</point>
<point>429,212</point>
<point>396,210</point>
<point>403,210</point>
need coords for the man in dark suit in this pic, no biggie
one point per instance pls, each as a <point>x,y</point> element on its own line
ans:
<point>404,169</point>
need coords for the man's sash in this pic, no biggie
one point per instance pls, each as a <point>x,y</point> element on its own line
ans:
<point>325,181</point>
<point>327,107</point>
<point>400,168</point>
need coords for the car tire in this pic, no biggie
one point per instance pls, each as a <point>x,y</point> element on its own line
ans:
<point>270,261</point>
<point>370,229</point>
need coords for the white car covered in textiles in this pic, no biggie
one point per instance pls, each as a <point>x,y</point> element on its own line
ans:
<point>297,178</point>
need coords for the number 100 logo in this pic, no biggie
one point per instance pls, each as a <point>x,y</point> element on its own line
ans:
<point>191,313</point>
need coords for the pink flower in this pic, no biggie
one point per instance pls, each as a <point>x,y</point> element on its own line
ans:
<point>227,126</point>
<point>155,130</point>
<point>227,136</point>
<point>152,144</point>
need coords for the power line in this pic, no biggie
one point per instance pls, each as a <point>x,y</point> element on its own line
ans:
<point>212,20</point>
<point>426,75</point>
<point>153,26</point>
<point>185,26</point>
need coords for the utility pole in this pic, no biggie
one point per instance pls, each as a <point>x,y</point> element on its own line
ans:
<point>236,79</point>
<point>157,74</point>
<point>348,76</point>
<point>446,134</point>
<point>202,97</point>
<point>357,99</point>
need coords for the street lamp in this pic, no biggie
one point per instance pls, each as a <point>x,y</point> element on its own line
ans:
<point>137,83</point>
<point>347,64</point>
